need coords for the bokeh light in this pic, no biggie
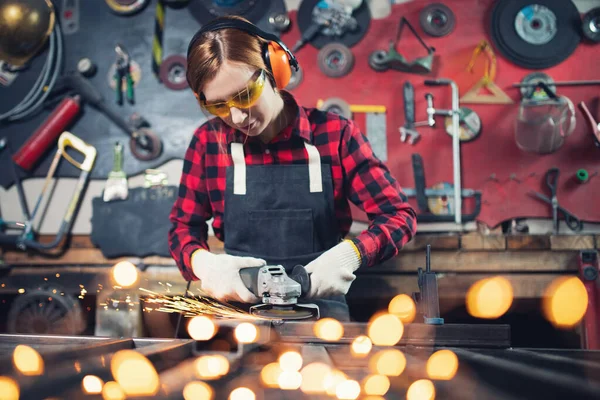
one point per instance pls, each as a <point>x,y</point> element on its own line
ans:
<point>361,346</point>
<point>347,390</point>
<point>242,393</point>
<point>9,389</point>
<point>377,385</point>
<point>489,298</point>
<point>211,366</point>
<point>442,365</point>
<point>385,330</point>
<point>313,378</point>
<point>390,362</point>
<point>197,391</point>
<point>565,302</point>
<point>134,373</point>
<point>92,384</point>
<point>289,380</point>
<point>112,391</point>
<point>422,389</point>
<point>403,307</point>
<point>246,332</point>
<point>329,329</point>
<point>125,274</point>
<point>28,361</point>
<point>290,361</point>
<point>269,375</point>
<point>201,328</point>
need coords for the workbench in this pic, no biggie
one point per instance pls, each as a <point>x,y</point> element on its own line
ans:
<point>486,370</point>
<point>529,262</point>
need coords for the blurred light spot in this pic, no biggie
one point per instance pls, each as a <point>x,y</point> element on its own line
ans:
<point>242,393</point>
<point>290,361</point>
<point>332,380</point>
<point>21,291</point>
<point>9,389</point>
<point>201,328</point>
<point>403,307</point>
<point>376,385</point>
<point>422,389</point>
<point>361,346</point>
<point>58,275</point>
<point>489,298</point>
<point>442,365</point>
<point>269,375</point>
<point>197,391</point>
<point>112,391</point>
<point>92,384</point>
<point>313,377</point>
<point>385,330</point>
<point>246,332</point>
<point>212,366</point>
<point>289,380</point>
<point>125,273</point>
<point>388,362</point>
<point>347,390</point>
<point>565,302</point>
<point>134,373</point>
<point>28,361</point>
<point>329,329</point>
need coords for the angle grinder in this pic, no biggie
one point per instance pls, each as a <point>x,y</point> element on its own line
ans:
<point>279,292</point>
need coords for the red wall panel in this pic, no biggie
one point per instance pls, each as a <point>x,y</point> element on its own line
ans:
<point>495,152</point>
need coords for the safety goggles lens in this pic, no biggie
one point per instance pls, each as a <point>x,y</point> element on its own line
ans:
<point>244,99</point>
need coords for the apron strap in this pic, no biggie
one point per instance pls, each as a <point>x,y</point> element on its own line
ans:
<point>314,168</point>
<point>239,168</point>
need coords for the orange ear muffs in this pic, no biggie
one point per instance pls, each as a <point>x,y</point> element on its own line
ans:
<point>279,62</point>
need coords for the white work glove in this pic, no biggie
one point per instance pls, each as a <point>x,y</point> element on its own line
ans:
<point>220,275</point>
<point>332,272</point>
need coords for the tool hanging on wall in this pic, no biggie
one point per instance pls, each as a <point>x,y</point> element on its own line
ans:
<point>375,120</point>
<point>574,223</point>
<point>408,131</point>
<point>122,77</point>
<point>144,144</point>
<point>590,25</point>
<point>454,113</point>
<point>437,20</point>
<point>335,60</point>
<point>325,21</point>
<point>542,126</point>
<point>469,124</point>
<point>157,39</point>
<point>116,185</point>
<point>592,122</point>
<point>26,239</point>
<point>530,83</point>
<point>382,60</point>
<point>173,72</point>
<point>126,7</point>
<point>47,133</point>
<point>495,95</point>
<point>535,34</point>
<point>436,203</point>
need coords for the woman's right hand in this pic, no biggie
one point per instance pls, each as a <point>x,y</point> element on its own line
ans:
<point>220,275</point>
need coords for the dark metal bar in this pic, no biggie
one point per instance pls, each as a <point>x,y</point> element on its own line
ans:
<point>523,381</point>
<point>448,335</point>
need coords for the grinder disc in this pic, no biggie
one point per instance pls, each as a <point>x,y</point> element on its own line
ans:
<point>535,34</point>
<point>437,20</point>
<point>283,313</point>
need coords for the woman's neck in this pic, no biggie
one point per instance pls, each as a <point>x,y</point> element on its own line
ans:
<point>280,120</point>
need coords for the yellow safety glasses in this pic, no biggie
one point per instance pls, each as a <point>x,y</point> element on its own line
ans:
<point>244,99</point>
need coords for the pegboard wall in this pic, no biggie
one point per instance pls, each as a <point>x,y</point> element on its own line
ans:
<point>491,163</point>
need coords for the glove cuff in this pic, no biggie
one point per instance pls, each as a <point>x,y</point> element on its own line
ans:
<point>348,256</point>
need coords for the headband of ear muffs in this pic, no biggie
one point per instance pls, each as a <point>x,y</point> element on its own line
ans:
<point>277,57</point>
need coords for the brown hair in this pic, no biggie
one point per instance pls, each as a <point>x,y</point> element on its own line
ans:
<point>213,48</point>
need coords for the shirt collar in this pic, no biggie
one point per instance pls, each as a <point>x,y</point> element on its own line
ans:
<point>300,126</point>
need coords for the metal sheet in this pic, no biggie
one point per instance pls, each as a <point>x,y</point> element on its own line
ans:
<point>377,134</point>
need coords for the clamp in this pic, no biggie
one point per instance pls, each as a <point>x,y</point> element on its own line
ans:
<point>123,72</point>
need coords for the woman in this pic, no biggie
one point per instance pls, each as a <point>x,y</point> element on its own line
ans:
<point>276,177</point>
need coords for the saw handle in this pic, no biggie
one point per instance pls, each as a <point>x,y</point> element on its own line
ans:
<point>67,139</point>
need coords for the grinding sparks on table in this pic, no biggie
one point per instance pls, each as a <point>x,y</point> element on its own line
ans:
<point>192,305</point>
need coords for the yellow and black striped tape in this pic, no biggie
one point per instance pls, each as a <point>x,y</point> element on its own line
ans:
<point>157,41</point>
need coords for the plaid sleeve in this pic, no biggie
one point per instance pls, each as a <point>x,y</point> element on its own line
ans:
<point>371,187</point>
<point>189,230</point>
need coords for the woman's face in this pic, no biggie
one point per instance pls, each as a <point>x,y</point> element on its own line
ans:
<point>230,81</point>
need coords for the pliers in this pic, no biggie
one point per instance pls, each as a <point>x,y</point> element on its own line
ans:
<point>574,223</point>
<point>123,72</point>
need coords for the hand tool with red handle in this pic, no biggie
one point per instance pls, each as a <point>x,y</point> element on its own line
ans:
<point>47,133</point>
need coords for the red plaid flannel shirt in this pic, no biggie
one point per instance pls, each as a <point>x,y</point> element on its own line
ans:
<point>358,177</point>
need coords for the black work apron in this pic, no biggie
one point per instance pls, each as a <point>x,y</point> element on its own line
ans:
<point>283,214</point>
